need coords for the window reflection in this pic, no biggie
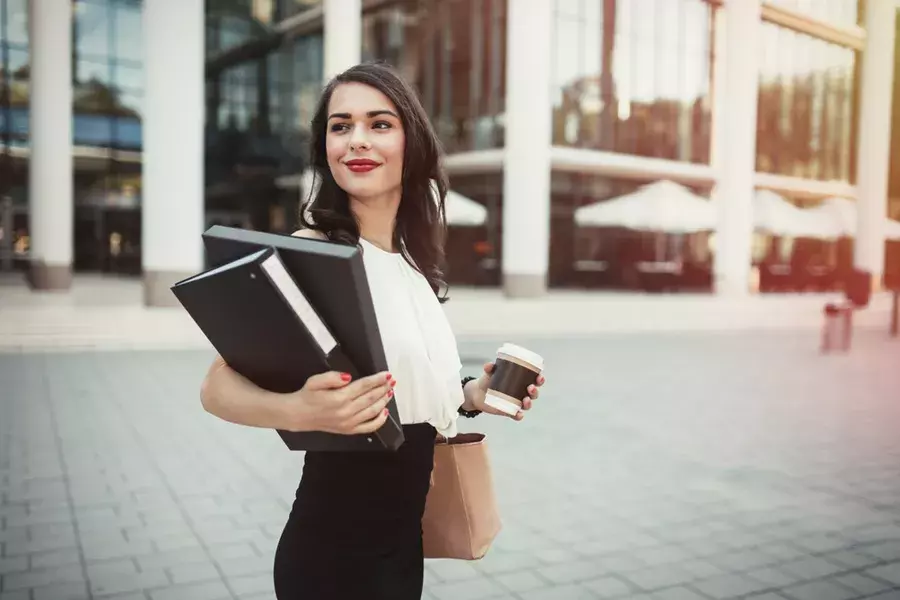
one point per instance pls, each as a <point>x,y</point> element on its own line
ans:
<point>93,71</point>
<point>633,76</point>
<point>17,65</point>
<point>16,24</point>
<point>258,115</point>
<point>93,29</point>
<point>128,34</point>
<point>805,113</point>
<point>107,73</point>
<point>474,253</point>
<point>453,51</point>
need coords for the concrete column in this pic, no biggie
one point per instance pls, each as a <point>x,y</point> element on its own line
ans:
<point>173,215</point>
<point>342,35</point>
<point>737,84</point>
<point>528,123</point>
<point>873,146</point>
<point>50,169</point>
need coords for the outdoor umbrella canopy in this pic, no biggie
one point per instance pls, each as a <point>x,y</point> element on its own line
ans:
<point>842,214</point>
<point>662,206</point>
<point>774,215</point>
<point>461,210</point>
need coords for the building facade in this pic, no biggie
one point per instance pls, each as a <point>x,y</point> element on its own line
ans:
<point>127,127</point>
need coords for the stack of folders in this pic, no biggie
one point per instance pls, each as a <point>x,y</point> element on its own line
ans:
<point>261,323</point>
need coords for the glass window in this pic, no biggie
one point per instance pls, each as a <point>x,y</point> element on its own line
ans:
<point>108,73</point>
<point>474,253</point>
<point>128,32</point>
<point>92,130</point>
<point>128,77</point>
<point>16,22</point>
<point>633,76</point>
<point>17,67</point>
<point>453,52</point>
<point>92,29</point>
<point>93,71</point>
<point>129,103</point>
<point>805,111</point>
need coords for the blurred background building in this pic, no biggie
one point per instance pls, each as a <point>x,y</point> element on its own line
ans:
<point>640,144</point>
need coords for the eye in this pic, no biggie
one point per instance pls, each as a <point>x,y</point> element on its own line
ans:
<point>382,125</point>
<point>336,127</point>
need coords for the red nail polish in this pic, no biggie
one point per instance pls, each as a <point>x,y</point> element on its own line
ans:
<point>393,382</point>
<point>388,377</point>
<point>390,394</point>
<point>386,412</point>
<point>345,376</point>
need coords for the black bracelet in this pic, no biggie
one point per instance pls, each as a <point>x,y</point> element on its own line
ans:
<point>470,414</point>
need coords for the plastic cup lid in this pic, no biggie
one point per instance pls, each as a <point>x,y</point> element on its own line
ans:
<point>523,354</point>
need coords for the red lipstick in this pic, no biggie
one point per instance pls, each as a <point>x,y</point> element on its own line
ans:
<point>361,165</point>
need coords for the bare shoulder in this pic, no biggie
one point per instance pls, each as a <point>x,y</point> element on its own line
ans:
<point>309,233</point>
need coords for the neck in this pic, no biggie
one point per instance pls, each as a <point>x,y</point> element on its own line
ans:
<point>376,216</point>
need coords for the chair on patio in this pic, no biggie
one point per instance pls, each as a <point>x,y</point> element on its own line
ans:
<point>838,326</point>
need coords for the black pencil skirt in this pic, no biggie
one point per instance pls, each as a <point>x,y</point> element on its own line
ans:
<point>355,529</point>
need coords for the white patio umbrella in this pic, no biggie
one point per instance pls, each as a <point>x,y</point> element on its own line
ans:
<point>773,214</point>
<point>841,212</point>
<point>662,206</point>
<point>842,215</point>
<point>461,210</point>
<point>892,230</point>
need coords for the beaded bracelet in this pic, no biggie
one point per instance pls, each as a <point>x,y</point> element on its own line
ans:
<point>470,414</point>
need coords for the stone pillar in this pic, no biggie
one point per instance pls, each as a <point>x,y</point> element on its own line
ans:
<point>173,214</point>
<point>734,145</point>
<point>50,217</point>
<point>342,36</point>
<point>873,146</point>
<point>529,128</point>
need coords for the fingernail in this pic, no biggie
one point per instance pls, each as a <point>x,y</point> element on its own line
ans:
<point>390,394</point>
<point>345,376</point>
<point>388,377</point>
<point>386,412</point>
<point>393,382</point>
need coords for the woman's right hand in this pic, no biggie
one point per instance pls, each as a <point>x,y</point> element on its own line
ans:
<point>331,402</point>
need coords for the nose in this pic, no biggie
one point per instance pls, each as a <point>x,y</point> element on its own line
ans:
<point>359,138</point>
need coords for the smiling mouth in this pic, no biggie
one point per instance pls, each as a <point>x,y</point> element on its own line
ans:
<point>362,165</point>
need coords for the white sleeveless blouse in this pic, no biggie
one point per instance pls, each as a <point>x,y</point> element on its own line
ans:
<point>419,344</point>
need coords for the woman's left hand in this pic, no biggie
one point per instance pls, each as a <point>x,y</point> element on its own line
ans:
<point>481,384</point>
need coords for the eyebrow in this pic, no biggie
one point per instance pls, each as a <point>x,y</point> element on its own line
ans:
<point>370,114</point>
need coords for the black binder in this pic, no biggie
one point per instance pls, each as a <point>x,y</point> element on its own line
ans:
<point>262,324</point>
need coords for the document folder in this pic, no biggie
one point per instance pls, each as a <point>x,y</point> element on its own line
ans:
<point>277,332</point>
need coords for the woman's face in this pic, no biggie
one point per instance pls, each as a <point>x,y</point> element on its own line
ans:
<point>364,141</point>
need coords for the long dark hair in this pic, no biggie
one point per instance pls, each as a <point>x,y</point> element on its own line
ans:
<point>420,226</point>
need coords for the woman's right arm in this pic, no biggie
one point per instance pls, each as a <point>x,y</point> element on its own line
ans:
<point>327,402</point>
<point>230,396</point>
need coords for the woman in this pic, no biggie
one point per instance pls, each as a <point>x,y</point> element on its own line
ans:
<point>355,527</point>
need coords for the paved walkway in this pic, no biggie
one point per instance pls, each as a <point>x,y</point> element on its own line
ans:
<point>107,313</point>
<point>655,467</point>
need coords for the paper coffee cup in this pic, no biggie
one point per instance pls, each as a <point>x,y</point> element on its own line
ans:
<point>515,368</point>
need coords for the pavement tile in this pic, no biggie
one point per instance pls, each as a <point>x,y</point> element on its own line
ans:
<point>679,474</point>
